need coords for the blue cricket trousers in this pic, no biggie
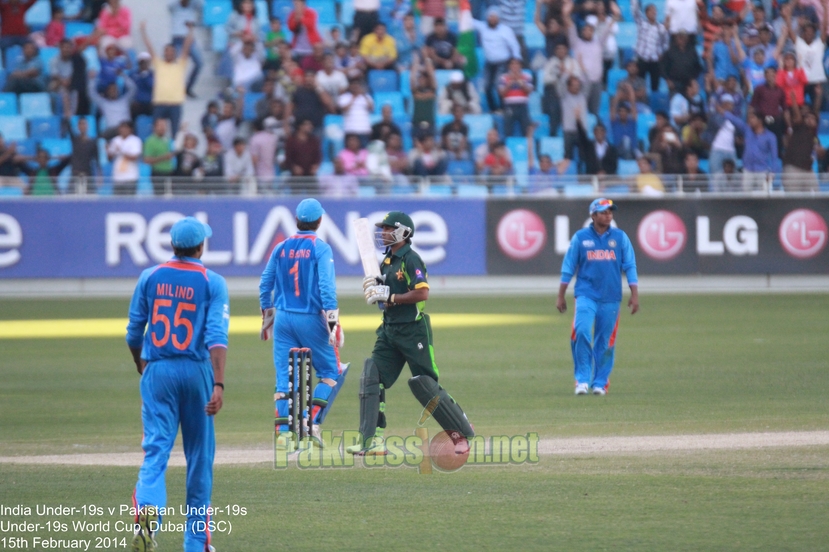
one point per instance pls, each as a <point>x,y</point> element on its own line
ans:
<point>173,393</point>
<point>593,341</point>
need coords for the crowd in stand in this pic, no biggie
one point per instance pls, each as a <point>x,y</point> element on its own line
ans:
<point>725,95</point>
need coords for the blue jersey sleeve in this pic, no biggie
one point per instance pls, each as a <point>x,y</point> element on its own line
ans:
<point>139,313</point>
<point>629,261</point>
<point>218,312</point>
<point>268,279</point>
<point>327,282</point>
<point>571,260</point>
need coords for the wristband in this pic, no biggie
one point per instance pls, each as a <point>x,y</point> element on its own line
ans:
<point>391,299</point>
<point>217,384</point>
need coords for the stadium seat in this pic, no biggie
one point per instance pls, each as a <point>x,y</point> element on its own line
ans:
<point>659,101</point>
<point>442,77</point>
<point>2,79</point>
<point>145,184</point>
<point>439,190</point>
<point>90,119</point>
<point>39,15</point>
<point>403,189</point>
<point>552,146</point>
<point>704,166</point>
<point>262,14</point>
<point>11,191</point>
<point>627,167</point>
<point>45,127</point>
<point>347,14</point>
<point>90,55</point>
<point>517,145</point>
<point>626,38</point>
<point>578,190</point>
<point>216,12</point>
<point>13,54</point>
<point>824,140</point>
<point>326,11</point>
<point>626,11</point>
<point>382,81</point>
<point>249,109</point>
<point>281,9</point>
<point>333,136</point>
<point>441,120</point>
<point>57,147</point>
<point>533,38</point>
<point>13,127</point>
<point>366,191</point>
<point>27,147</point>
<point>591,124</point>
<point>542,128</point>
<point>218,38</point>
<point>472,190</point>
<point>143,126</point>
<point>36,104</point>
<point>47,54</point>
<point>326,168</point>
<point>823,127</point>
<point>405,84</point>
<point>460,168</point>
<point>534,105</point>
<point>614,77</point>
<point>393,98</point>
<point>479,125</point>
<point>8,104</point>
<point>77,28</point>
<point>644,123</point>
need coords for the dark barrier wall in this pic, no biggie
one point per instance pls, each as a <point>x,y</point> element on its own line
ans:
<point>109,238</point>
<point>709,236</point>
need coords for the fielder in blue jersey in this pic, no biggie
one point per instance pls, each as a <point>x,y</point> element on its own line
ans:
<point>599,254</point>
<point>181,359</point>
<point>298,298</point>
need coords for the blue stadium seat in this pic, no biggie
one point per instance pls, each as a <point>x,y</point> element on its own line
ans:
<point>393,98</point>
<point>552,146</point>
<point>57,147</point>
<point>823,127</point>
<point>13,55</point>
<point>333,136</point>
<point>366,191</point>
<point>442,77</point>
<point>39,15</point>
<point>216,12</point>
<point>78,28</point>
<point>281,9</point>
<point>27,147</point>
<point>644,123</point>
<point>460,168</point>
<point>2,79</point>
<point>479,125</point>
<point>47,54</point>
<point>326,168</point>
<point>403,189</point>
<point>11,191</point>
<point>382,81</point>
<point>90,119</point>
<point>626,38</point>
<point>534,105</point>
<point>542,129</point>
<point>659,101</point>
<point>578,190</point>
<point>143,126</point>
<point>13,127</point>
<point>8,104</point>
<point>614,77</point>
<point>627,167</point>
<point>45,127</point>
<point>441,120</point>
<point>617,189</point>
<point>517,145</point>
<point>90,55</point>
<point>145,184</point>
<point>533,38</point>
<point>472,190</point>
<point>218,38</point>
<point>36,104</point>
<point>249,108</point>
<point>326,11</point>
<point>626,10</point>
<point>440,190</point>
<point>347,13</point>
<point>405,84</point>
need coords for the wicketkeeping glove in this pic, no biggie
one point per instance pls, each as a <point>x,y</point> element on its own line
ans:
<point>335,331</point>
<point>376,294</point>
<point>268,316</point>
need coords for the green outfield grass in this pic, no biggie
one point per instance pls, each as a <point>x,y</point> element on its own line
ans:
<point>685,364</point>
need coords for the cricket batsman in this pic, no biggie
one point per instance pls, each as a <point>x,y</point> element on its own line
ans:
<point>404,337</point>
<point>599,254</point>
<point>299,281</point>
<point>181,359</point>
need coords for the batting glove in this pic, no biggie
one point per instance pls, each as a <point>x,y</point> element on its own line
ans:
<point>332,317</point>
<point>369,281</point>
<point>268,316</point>
<point>376,294</point>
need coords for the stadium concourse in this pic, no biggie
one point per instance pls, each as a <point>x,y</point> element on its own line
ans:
<point>439,98</point>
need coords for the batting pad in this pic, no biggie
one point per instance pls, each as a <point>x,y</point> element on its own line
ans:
<point>444,409</point>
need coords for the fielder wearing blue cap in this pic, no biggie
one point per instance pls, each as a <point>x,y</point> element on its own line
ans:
<point>298,299</point>
<point>181,359</point>
<point>598,254</point>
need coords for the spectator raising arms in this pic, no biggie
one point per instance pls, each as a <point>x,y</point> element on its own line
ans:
<point>169,84</point>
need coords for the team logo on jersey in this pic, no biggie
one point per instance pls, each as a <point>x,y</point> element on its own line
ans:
<point>420,346</point>
<point>611,243</point>
<point>601,255</point>
<point>399,274</point>
<point>418,274</point>
<point>521,234</point>
<point>588,243</point>
<point>803,233</point>
<point>387,261</point>
<point>662,235</point>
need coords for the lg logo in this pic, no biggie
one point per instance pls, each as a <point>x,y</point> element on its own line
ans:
<point>521,234</point>
<point>662,235</point>
<point>803,234</point>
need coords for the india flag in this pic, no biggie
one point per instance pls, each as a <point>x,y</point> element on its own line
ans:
<point>467,41</point>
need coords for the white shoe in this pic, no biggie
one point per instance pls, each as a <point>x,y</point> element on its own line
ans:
<point>284,441</point>
<point>581,389</point>
<point>599,391</point>
<point>316,435</point>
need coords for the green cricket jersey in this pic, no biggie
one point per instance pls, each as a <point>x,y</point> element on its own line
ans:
<point>404,271</point>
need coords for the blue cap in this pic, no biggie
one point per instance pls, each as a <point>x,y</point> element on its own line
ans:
<point>189,232</point>
<point>602,204</point>
<point>309,210</point>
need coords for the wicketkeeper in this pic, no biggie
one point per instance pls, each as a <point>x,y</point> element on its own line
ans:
<point>299,280</point>
<point>404,337</point>
<point>599,254</point>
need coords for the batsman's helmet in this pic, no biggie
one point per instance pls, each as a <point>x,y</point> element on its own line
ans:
<point>403,228</point>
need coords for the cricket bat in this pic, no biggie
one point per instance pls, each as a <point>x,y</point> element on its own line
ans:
<point>365,244</point>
